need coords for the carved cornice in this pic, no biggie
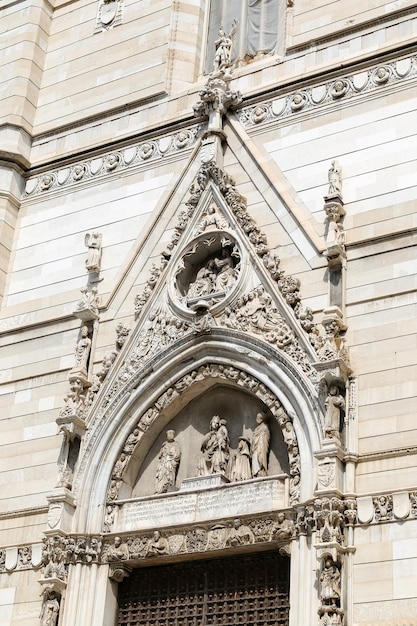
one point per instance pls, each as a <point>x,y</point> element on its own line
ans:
<point>111,162</point>
<point>360,83</point>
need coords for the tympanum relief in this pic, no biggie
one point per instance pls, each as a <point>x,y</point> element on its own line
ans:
<point>223,432</point>
<point>208,270</point>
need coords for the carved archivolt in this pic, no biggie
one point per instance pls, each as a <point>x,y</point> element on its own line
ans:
<point>240,379</point>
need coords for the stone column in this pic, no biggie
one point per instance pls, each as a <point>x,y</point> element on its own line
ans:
<point>91,597</point>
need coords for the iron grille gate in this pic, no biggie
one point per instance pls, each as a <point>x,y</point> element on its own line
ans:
<point>247,589</point>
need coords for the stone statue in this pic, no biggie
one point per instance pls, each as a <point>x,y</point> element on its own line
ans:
<point>241,465</point>
<point>204,282</point>
<point>289,435</point>
<point>82,350</point>
<point>334,404</point>
<point>157,545</point>
<point>225,271</point>
<point>223,54</point>
<point>93,243</point>
<point>118,551</point>
<point>335,179</point>
<point>50,610</point>
<point>89,300</point>
<point>260,447</point>
<point>211,221</point>
<point>330,582</point>
<point>169,460</point>
<point>239,534</point>
<point>284,529</point>
<point>217,274</point>
<point>214,449</point>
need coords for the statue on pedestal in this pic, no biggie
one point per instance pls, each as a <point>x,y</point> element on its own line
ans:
<point>168,463</point>
<point>214,449</point>
<point>334,404</point>
<point>260,447</point>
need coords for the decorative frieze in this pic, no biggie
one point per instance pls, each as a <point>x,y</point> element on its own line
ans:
<point>329,517</point>
<point>313,97</point>
<point>107,164</point>
<point>389,507</point>
<point>278,529</point>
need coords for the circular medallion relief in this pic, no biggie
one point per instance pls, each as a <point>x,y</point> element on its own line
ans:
<point>207,272</point>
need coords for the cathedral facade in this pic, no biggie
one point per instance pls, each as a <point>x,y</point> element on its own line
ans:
<point>208,313</point>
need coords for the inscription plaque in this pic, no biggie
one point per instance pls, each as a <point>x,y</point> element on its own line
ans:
<point>268,494</point>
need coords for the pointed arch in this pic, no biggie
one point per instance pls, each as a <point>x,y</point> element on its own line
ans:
<point>279,383</point>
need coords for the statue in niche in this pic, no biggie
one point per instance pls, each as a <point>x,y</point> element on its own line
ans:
<point>239,534</point>
<point>225,271</point>
<point>168,463</point>
<point>242,463</point>
<point>334,404</point>
<point>218,274</point>
<point>204,281</point>
<point>82,350</point>
<point>50,610</point>
<point>330,582</point>
<point>335,179</point>
<point>214,449</point>
<point>260,447</point>
<point>157,545</point>
<point>93,243</point>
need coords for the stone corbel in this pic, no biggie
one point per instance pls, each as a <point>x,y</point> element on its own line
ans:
<point>71,426</point>
<point>335,240</point>
<point>87,308</point>
<point>52,585</point>
<point>334,367</point>
<point>119,571</point>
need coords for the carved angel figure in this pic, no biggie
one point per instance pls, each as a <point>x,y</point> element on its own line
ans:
<point>93,243</point>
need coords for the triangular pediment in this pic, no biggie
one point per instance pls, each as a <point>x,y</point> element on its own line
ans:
<point>217,271</point>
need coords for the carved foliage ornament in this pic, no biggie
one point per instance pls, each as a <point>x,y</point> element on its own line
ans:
<point>328,517</point>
